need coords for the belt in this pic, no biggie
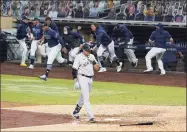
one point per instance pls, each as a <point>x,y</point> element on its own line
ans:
<point>86,76</point>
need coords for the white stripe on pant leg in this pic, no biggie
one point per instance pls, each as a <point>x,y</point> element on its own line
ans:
<point>159,59</point>
<point>52,54</point>
<point>24,48</point>
<point>85,90</point>
<point>111,50</point>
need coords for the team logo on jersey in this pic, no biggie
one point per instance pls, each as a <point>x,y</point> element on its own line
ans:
<point>47,36</point>
<point>36,30</point>
<point>85,63</point>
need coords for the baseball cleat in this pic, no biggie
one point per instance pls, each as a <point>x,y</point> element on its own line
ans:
<point>31,67</point>
<point>163,73</point>
<point>23,64</point>
<point>119,67</point>
<point>134,64</point>
<point>102,69</point>
<point>92,120</point>
<point>43,77</point>
<point>76,116</point>
<point>148,70</point>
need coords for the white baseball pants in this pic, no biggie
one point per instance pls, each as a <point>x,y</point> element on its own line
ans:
<point>55,53</point>
<point>86,86</point>
<point>158,52</point>
<point>24,48</point>
<point>73,53</point>
<point>130,53</point>
<point>34,52</point>
<point>110,49</point>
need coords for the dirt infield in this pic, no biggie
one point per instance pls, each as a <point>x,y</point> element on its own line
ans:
<point>58,118</point>
<point>22,117</point>
<point>177,80</point>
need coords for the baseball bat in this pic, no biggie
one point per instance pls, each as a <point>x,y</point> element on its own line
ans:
<point>137,124</point>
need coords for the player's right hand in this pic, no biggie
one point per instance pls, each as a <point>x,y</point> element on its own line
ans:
<point>64,50</point>
<point>76,84</point>
<point>80,46</point>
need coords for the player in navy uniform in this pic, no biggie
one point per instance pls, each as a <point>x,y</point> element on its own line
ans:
<point>23,32</point>
<point>104,42</point>
<point>37,32</point>
<point>121,34</point>
<point>159,38</point>
<point>74,41</point>
<point>55,44</point>
<point>53,26</point>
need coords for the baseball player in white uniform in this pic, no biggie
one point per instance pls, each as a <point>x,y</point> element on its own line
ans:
<point>83,72</point>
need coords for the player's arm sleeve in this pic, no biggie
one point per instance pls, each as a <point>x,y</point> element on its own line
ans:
<point>94,61</point>
<point>169,37</point>
<point>55,28</point>
<point>152,37</point>
<point>77,35</point>
<point>75,67</point>
<point>98,38</point>
<point>114,36</point>
<point>57,36</point>
<point>19,29</point>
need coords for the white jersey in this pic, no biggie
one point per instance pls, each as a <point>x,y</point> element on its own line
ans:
<point>84,64</point>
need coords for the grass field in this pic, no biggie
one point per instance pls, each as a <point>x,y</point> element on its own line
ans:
<point>32,90</point>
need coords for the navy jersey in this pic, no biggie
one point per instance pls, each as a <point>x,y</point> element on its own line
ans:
<point>53,26</point>
<point>170,56</point>
<point>22,30</point>
<point>73,39</point>
<point>37,31</point>
<point>53,38</point>
<point>102,37</point>
<point>160,37</point>
<point>123,33</point>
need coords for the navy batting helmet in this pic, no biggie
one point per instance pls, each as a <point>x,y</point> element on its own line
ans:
<point>86,47</point>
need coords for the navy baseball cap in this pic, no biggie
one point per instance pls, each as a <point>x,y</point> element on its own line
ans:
<point>159,25</point>
<point>86,47</point>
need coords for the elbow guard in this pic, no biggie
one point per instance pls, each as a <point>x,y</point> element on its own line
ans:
<point>74,73</point>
